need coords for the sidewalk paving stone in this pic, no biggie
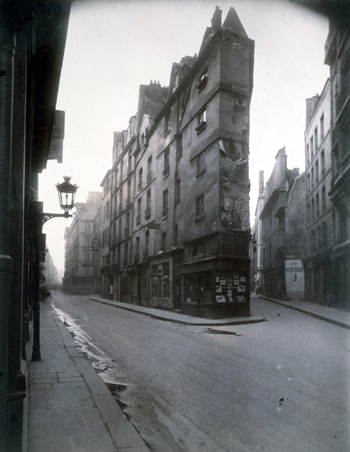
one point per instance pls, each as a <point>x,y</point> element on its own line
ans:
<point>70,408</point>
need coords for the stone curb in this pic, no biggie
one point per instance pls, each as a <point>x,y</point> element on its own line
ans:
<point>305,311</point>
<point>122,431</point>
<point>171,318</point>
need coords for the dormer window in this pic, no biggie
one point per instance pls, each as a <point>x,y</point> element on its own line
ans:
<point>202,81</point>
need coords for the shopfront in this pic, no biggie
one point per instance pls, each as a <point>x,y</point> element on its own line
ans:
<point>216,289</point>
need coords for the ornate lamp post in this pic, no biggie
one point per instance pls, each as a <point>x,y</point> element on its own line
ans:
<point>66,195</point>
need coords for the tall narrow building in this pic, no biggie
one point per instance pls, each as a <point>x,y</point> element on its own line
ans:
<point>180,191</point>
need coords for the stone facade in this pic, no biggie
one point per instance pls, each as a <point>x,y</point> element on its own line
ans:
<point>79,256</point>
<point>337,56</point>
<point>318,164</point>
<point>179,230</point>
<point>283,229</point>
<point>32,42</point>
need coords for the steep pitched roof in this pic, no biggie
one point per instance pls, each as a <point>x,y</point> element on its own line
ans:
<point>233,23</point>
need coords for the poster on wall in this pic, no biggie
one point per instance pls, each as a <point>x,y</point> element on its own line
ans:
<point>241,288</point>
<point>220,298</point>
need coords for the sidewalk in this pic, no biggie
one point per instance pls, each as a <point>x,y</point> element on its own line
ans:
<point>332,315</point>
<point>176,317</point>
<point>69,406</point>
<point>70,409</point>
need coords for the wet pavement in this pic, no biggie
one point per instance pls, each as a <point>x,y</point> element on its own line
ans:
<point>70,407</point>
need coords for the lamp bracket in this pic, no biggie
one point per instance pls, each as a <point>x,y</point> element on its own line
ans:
<point>47,216</point>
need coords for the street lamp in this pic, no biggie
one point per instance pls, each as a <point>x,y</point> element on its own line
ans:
<point>66,195</point>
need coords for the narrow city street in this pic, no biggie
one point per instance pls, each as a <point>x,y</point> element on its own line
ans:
<point>281,385</point>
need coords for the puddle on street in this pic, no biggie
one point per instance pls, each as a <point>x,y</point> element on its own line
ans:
<point>229,333</point>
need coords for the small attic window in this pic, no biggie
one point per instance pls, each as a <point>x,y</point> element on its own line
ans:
<point>202,80</point>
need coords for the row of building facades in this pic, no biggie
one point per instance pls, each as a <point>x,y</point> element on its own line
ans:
<point>301,236</point>
<point>32,45</point>
<point>172,228</point>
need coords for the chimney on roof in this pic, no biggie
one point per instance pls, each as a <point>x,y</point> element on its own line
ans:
<point>216,20</point>
<point>311,105</point>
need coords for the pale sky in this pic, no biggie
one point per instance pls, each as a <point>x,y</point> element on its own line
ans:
<point>115,46</point>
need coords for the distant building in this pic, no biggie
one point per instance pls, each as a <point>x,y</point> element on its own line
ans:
<point>180,229</point>
<point>50,272</point>
<point>283,232</point>
<point>105,234</point>
<point>79,257</point>
<point>96,243</point>
<point>318,165</point>
<point>337,56</point>
<point>257,243</point>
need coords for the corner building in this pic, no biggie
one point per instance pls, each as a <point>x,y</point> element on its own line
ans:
<point>180,201</point>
